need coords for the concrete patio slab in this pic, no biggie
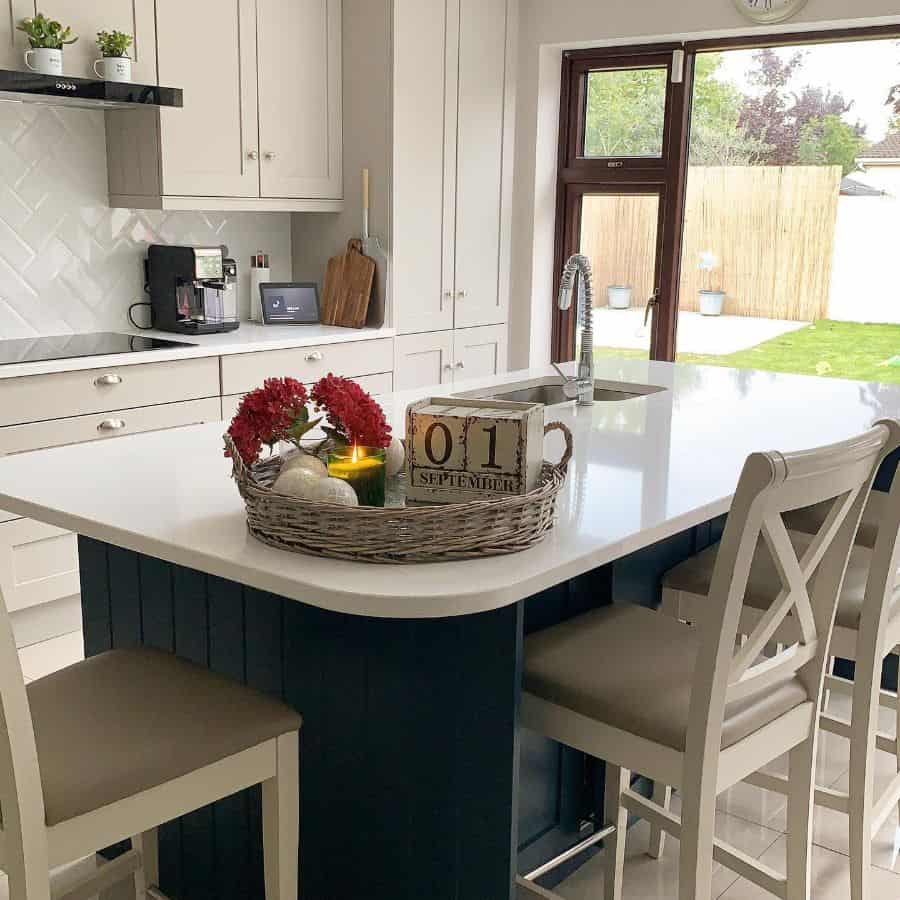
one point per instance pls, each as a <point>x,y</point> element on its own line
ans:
<point>715,335</point>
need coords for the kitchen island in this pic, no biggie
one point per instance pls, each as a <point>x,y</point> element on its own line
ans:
<point>407,677</point>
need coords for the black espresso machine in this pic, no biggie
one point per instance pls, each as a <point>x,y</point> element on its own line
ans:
<point>193,290</point>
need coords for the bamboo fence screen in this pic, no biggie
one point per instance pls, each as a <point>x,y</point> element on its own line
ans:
<point>771,228</point>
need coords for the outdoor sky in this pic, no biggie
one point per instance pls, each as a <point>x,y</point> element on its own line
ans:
<point>863,71</point>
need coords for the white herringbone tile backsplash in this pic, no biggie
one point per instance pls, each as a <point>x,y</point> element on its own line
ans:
<point>70,263</point>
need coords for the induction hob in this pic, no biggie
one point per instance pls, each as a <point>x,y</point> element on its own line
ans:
<point>72,346</point>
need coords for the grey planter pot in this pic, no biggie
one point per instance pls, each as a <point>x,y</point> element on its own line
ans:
<point>618,296</point>
<point>711,303</point>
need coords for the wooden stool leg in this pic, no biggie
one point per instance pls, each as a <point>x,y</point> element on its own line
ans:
<point>695,860</point>
<point>897,733</point>
<point>147,876</point>
<point>281,822</point>
<point>617,780</point>
<point>801,789</point>
<point>662,796</point>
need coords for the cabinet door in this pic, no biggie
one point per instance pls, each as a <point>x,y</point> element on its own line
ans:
<point>478,352</point>
<point>134,17</point>
<point>300,85</point>
<point>210,147</point>
<point>13,44</point>
<point>425,75</point>
<point>480,196</point>
<point>423,360</point>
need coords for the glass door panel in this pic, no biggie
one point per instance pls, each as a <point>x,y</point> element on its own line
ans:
<point>619,234</point>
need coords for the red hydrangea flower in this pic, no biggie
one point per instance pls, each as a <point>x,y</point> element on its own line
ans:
<point>275,412</point>
<point>354,416</point>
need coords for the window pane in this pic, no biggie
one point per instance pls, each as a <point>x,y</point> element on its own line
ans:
<point>625,113</point>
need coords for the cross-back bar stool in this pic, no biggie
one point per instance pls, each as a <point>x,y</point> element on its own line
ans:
<point>112,747</point>
<point>867,630</point>
<point>679,704</point>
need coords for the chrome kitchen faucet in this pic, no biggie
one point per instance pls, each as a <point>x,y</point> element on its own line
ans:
<point>580,265</point>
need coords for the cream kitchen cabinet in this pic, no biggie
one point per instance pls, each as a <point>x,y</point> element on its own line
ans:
<point>132,16</point>
<point>442,357</point>
<point>452,162</point>
<point>262,117</point>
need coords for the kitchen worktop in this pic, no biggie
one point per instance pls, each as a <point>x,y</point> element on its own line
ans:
<point>642,470</point>
<point>249,338</point>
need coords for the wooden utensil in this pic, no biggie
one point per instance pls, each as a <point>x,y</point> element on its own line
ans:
<point>348,287</point>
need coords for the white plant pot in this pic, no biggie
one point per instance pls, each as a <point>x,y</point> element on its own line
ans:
<point>113,68</point>
<point>44,61</point>
<point>618,296</point>
<point>711,303</point>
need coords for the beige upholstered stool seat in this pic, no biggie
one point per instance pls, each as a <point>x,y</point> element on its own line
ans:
<point>631,668</point>
<point>693,576</point>
<point>125,721</point>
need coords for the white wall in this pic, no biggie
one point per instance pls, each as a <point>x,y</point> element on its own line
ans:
<point>548,26</point>
<point>864,285</point>
<point>70,263</point>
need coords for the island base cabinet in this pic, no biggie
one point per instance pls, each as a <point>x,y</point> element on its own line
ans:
<point>409,751</point>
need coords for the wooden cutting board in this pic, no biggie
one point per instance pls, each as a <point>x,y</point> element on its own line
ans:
<point>348,287</point>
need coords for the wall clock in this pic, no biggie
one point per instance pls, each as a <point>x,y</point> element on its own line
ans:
<point>768,12</point>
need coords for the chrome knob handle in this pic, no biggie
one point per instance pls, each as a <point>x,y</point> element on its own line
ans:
<point>448,367</point>
<point>107,380</point>
<point>460,365</point>
<point>315,356</point>
<point>448,293</point>
<point>253,154</point>
<point>111,425</point>
<point>462,294</point>
<point>269,155</point>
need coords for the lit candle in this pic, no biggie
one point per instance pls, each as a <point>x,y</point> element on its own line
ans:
<point>363,468</point>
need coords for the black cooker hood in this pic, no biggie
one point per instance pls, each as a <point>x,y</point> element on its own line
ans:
<point>86,93</point>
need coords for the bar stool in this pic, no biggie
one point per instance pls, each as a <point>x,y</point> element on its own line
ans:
<point>867,630</point>
<point>111,747</point>
<point>650,694</point>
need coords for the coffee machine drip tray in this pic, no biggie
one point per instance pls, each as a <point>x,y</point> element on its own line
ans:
<point>72,346</point>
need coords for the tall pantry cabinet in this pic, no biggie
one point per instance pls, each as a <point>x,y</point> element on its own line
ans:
<point>454,71</point>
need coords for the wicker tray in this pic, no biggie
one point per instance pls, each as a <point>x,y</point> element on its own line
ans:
<point>405,534</point>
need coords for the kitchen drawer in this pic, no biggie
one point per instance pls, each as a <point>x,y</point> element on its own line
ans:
<point>383,383</point>
<point>116,423</point>
<point>36,398</point>
<point>246,371</point>
<point>38,563</point>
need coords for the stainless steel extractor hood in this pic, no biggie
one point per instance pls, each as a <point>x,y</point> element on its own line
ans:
<point>87,93</point>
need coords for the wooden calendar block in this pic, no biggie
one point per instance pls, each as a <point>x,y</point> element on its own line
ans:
<point>460,449</point>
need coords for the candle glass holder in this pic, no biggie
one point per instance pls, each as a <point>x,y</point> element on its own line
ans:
<point>364,469</point>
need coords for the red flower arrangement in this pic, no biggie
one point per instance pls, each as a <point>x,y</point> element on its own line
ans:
<point>275,412</point>
<point>355,418</point>
<point>278,412</point>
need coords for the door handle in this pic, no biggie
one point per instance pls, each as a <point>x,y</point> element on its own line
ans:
<point>111,425</point>
<point>315,356</point>
<point>107,380</point>
<point>653,301</point>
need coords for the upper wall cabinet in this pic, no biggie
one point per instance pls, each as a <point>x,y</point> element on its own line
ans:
<point>86,19</point>
<point>452,162</point>
<point>261,123</point>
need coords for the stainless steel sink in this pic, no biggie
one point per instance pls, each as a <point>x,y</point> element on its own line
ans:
<point>549,391</point>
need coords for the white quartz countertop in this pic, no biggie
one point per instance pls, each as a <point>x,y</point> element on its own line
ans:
<point>642,470</point>
<point>249,338</point>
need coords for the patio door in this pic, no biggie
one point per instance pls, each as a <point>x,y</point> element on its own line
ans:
<point>623,141</point>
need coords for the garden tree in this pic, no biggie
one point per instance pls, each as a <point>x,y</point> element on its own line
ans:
<point>625,115</point>
<point>785,120</point>
<point>829,141</point>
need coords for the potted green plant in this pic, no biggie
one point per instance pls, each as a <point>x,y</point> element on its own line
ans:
<point>114,63</point>
<point>47,38</point>
<point>712,297</point>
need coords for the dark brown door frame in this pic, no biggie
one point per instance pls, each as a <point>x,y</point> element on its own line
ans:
<point>663,176</point>
<point>665,319</point>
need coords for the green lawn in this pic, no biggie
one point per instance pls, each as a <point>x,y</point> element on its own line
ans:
<point>834,349</point>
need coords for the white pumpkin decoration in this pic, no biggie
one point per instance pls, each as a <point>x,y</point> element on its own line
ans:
<point>296,482</point>
<point>307,462</point>
<point>395,457</point>
<point>332,490</point>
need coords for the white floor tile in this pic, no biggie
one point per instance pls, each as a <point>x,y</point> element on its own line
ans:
<point>41,659</point>
<point>831,877</point>
<point>652,879</point>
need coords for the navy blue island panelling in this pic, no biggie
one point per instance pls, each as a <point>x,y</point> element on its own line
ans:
<point>409,751</point>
